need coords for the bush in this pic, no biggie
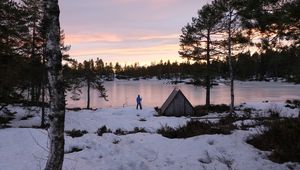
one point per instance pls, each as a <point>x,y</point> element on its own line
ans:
<point>138,130</point>
<point>282,138</point>
<point>116,141</point>
<point>142,120</point>
<point>293,104</point>
<point>202,110</point>
<point>135,130</point>
<point>229,119</point>
<point>76,133</point>
<point>120,131</point>
<point>194,128</point>
<point>27,117</point>
<point>274,111</point>
<point>4,121</point>
<point>6,117</point>
<point>74,149</point>
<point>102,130</point>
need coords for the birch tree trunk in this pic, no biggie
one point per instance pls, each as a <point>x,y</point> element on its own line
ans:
<point>56,87</point>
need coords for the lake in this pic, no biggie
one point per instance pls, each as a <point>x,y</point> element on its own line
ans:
<point>155,92</point>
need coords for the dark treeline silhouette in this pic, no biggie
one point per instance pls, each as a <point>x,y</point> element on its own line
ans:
<point>270,64</point>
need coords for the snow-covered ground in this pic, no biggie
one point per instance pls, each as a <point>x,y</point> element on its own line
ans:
<point>23,148</point>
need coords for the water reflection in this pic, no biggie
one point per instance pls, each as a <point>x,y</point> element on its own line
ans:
<point>154,93</point>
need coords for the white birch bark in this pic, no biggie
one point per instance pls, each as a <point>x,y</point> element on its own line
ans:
<point>56,87</point>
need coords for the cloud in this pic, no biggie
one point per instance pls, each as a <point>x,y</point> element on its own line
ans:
<point>126,28</point>
<point>151,37</point>
<point>159,50</point>
<point>90,38</point>
<point>114,38</point>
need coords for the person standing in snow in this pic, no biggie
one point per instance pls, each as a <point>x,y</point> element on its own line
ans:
<point>138,102</point>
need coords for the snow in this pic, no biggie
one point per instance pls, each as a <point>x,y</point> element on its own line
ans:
<point>264,108</point>
<point>124,118</point>
<point>26,148</point>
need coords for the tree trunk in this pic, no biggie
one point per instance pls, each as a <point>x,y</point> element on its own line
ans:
<point>33,71</point>
<point>207,71</point>
<point>230,65</point>
<point>56,86</point>
<point>88,94</point>
<point>43,93</point>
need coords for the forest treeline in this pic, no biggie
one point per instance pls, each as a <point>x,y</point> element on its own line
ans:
<point>271,64</point>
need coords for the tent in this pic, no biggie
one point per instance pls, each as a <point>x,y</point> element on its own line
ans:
<point>177,105</point>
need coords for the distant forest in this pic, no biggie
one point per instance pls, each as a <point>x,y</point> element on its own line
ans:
<point>271,64</point>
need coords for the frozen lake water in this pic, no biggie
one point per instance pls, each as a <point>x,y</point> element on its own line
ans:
<point>155,92</point>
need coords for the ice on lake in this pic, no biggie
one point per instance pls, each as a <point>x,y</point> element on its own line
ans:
<point>155,92</point>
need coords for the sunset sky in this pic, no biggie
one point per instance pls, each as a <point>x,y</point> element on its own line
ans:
<point>126,31</point>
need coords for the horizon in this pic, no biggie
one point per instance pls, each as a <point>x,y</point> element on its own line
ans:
<point>142,31</point>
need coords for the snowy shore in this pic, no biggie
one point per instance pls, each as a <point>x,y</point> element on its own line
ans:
<point>23,147</point>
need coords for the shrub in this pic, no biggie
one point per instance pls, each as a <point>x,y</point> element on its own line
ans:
<point>274,111</point>
<point>74,149</point>
<point>102,130</point>
<point>138,130</point>
<point>202,110</point>
<point>6,117</point>
<point>282,138</point>
<point>292,104</point>
<point>76,133</point>
<point>228,119</point>
<point>194,128</point>
<point>27,117</point>
<point>120,131</point>
<point>221,108</point>
<point>4,121</point>
<point>142,120</point>
<point>116,141</point>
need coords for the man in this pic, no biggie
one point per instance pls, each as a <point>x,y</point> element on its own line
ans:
<point>138,102</point>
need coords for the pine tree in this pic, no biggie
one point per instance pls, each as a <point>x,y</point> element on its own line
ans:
<point>92,77</point>
<point>12,63</point>
<point>198,41</point>
<point>33,45</point>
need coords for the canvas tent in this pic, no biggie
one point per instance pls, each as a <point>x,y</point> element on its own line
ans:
<point>177,105</point>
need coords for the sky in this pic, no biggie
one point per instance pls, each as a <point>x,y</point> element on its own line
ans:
<point>126,31</point>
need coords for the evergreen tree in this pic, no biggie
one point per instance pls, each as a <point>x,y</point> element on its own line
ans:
<point>86,75</point>
<point>12,63</point>
<point>199,42</point>
<point>33,44</point>
<point>92,77</point>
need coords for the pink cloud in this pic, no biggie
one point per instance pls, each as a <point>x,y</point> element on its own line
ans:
<point>88,38</point>
<point>136,51</point>
<point>151,37</point>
